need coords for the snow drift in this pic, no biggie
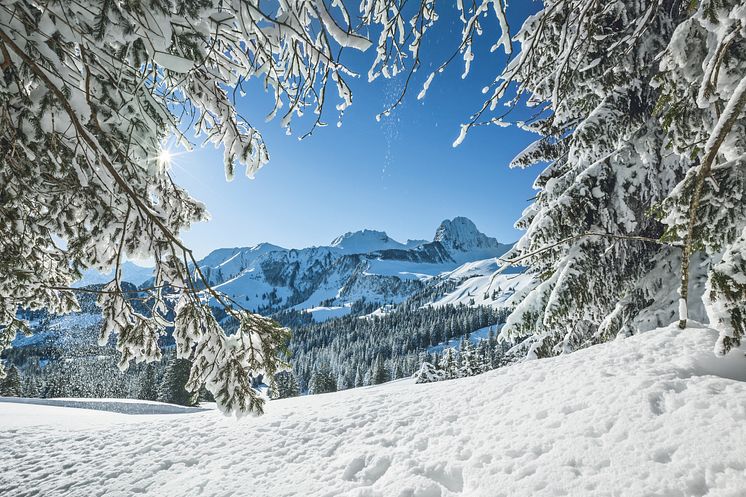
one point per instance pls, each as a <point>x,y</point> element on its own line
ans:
<point>651,415</point>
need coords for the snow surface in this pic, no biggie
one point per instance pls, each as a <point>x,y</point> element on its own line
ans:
<point>652,415</point>
<point>478,279</point>
<point>365,241</point>
<point>322,313</point>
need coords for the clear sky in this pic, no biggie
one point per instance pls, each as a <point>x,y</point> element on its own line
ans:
<point>400,175</point>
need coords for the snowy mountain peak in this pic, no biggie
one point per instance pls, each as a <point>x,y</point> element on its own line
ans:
<point>461,234</point>
<point>365,241</point>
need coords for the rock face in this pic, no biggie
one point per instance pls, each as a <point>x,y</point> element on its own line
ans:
<point>464,242</point>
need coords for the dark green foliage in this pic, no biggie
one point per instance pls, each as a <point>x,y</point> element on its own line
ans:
<point>174,380</point>
<point>323,380</point>
<point>380,372</point>
<point>10,386</point>
<point>148,386</point>
<point>285,385</point>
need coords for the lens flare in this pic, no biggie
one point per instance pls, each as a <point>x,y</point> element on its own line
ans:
<point>164,157</point>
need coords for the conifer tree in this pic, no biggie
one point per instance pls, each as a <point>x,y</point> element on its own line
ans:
<point>285,385</point>
<point>358,377</point>
<point>640,117</point>
<point>10,386</point>
<point>449,363</point>
<point>173,385</point>
<point>380,374</point>
<point>148,385</point>
<point>428,373</point>
<point>469,363</point>
<point>323,380</point>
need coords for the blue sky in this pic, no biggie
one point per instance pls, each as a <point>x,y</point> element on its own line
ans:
<point>400,175</point>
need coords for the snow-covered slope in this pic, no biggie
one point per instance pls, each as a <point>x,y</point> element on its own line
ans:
<point>479,285</point>
<point>365,241</point>
<point>652,415</point>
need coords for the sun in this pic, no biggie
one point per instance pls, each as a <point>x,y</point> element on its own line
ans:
<point>164,157</point>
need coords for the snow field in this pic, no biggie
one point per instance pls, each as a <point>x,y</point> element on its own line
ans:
<point>653,415</point>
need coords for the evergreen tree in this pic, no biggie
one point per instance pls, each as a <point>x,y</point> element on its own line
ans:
<point>148,385</point>
<point>323,380</point>
<point>173,385</point>
<point>449,363</point>
<point>469,363</point>
<point>484,356</point>
<point>380,372</point>
<point>341,381</point>
<point>428,374</point>
<point>358,377</point>
<point>285,385</point>
<point>627,139</point>
<point>10,386</point>
<point>398,371</point>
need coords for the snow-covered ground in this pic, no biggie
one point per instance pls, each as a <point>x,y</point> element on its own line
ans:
<point>478,283</point>
<point>653,415</point>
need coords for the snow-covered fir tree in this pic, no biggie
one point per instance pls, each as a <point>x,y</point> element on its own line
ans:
<point>449,364</point>
<point>428,373</point>
<point>381,373</point>
<point>469,363</point>
<point>322,380</point>
<point>703,83</point>
<point>285,385</point>
<point>358,377</point>
<point>173,385</point>
<point>638,108</point>
<point>10,386</point>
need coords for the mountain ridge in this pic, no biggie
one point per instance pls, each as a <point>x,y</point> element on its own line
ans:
<point>358,266</point>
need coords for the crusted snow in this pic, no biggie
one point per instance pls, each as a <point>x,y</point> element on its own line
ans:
<point>655,414</point>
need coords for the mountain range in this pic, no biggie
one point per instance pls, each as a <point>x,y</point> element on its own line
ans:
<point>364,266</point>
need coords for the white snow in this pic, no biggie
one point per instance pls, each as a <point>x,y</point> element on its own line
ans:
<point>478,280</point>
<point>653,415</point>
<point>365,241</point>
<point>322,313</point>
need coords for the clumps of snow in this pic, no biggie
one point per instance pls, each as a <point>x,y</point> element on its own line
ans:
<point>647,415</point>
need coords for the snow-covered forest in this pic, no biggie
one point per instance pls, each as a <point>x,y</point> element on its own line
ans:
<point>601,354</point>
